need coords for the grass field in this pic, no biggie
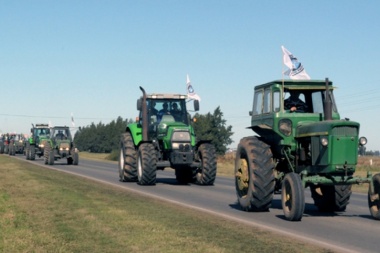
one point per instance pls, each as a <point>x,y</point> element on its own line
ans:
<point>42,210</point>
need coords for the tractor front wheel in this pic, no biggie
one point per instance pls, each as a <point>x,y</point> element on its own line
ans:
<point>146,164</point>
<point>374,197</point>
<point>48,155</point>
<point>206,173</point>
<point>292,197</point>
<point>127,159</point>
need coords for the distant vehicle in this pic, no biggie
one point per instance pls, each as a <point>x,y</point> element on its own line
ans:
<point>36,143</point>
<point>60,145</point>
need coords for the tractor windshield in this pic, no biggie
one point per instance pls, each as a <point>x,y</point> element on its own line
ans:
<point>167,110</point>
<point>61,133</point>
<point>41,131</point>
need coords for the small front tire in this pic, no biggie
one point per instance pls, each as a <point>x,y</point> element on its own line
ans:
<point>374,197</point>
<point>292,197</point>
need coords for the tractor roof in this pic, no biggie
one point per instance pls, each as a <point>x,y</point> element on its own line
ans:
<point>165,96</point>
<point>42,125</point>
<point>297,84</point>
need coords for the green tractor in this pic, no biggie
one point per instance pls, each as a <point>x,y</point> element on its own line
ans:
<point>19,143</point>
<point>60,145</point>
<point>163,137</point>
<point>301,142</point>
<point>36,143</point>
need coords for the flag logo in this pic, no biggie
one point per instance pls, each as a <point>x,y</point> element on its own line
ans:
<point>295,68</point>
<point>190,90</point>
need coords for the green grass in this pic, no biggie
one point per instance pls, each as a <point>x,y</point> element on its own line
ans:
<point>43,210</point>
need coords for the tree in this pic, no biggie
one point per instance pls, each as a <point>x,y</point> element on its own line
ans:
<point>213,127</point>
<point>101,138</point>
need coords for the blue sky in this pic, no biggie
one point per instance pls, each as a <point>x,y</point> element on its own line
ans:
<point>89,57</point>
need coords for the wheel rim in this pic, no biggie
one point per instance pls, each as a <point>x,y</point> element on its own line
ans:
<point>242,178</point>
<point>287,197</point>
<point>121,163</point>
<point>139,168</point>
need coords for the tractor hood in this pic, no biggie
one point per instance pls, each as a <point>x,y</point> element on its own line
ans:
<point>329,127</point>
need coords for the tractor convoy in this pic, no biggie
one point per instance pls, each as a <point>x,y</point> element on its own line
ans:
<point>299,141</point>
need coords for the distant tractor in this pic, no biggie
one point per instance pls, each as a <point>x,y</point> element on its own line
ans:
<point>301,142</point>
<point>36,143</point>
<point>60,145</point>
<point>19,143</point>
<point>163,137</point>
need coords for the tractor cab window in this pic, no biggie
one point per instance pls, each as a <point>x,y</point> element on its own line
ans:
<point>257,103</point>
<point>276,101</point>
<point>306,101</point>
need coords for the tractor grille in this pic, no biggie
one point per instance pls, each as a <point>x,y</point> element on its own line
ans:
<point>345,131</point>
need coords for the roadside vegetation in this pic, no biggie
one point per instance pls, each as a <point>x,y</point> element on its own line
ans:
<point>43,210</point>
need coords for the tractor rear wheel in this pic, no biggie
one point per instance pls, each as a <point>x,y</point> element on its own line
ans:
<point>254,175</point>
<point>330,198</point>
<point>27,152</point>
<point>48,155</point>
<point>374,197</point>
<point>127,159</point>
<point>32,154</point>
<point>206,173</point>
<point>146,164</point>
<point>292,197</point>
<point>75,157</point>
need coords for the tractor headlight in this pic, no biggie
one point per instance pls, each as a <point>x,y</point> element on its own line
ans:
<point>324,141</point>
<point>362,141</point>
<point>285,127</point>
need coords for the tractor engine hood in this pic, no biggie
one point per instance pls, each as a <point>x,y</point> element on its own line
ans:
<point>340,127</point>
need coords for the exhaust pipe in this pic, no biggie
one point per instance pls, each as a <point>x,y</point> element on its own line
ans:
<point>327,104</point>
<point>144,116</point>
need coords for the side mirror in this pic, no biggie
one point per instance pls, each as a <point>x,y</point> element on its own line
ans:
<point>250,113</point>
<point>196,105</point>
<point>139,104</point>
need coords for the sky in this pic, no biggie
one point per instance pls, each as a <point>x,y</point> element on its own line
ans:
<point>87,58</point>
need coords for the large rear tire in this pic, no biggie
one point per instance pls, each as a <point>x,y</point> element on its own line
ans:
<point>48,154</point>
<point>292,197</point>
<point>127,159</point>
<point>254,175</point>
<point>374,197</point>
<point>146,164</point>
<point>32,153</point>
<point>206,173</point>
<point>75,157</point>
<point>331,198</point>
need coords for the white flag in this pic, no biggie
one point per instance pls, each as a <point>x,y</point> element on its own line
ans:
<point>296,70</point>
<point>190,91</point>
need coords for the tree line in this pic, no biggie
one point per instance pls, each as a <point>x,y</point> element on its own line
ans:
<point>105,138</point>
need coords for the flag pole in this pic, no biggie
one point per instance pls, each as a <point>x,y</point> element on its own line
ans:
<point>283,88</point>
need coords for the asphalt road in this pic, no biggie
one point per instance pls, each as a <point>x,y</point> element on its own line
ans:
<point>350,231</point>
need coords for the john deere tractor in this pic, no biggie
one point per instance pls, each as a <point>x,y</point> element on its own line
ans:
<point>37,141</point>
<point>163,137</point>
<point>60,145</point>
<point>300,143</point>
